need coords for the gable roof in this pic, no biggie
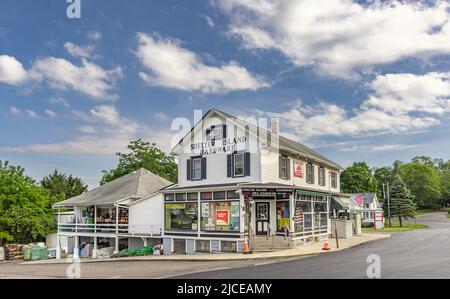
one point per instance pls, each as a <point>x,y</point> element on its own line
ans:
<point>284,143</point>
<point>369,198</point>
<point>135,185</point>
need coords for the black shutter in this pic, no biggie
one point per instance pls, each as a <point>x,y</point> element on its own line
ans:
<point>224,131</point>
<point>280,163</point>
<point>188,169</point>
<point>247,164</point>
<point>312,174</point>
<point>203,168</point>
<point>229,166</point>
<point>288,168</point>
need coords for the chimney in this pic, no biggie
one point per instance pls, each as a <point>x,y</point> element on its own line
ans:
<point>275,126</point>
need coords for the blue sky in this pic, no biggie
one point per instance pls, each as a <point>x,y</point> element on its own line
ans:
<point>354,80</point>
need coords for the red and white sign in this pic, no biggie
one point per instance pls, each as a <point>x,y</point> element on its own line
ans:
<point>222,217</point>
<point>298,169</point>
<point>378,219</point>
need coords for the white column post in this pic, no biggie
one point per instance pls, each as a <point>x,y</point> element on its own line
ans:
<point>76,249</point>
<point>58,247</point>
<point>116,249</point>
<point>75,210</point>
<point>95,219</point>
<point>94,251</point>
<point>117,220</point>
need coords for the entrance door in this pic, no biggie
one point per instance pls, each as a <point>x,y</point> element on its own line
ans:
<point>262,217</point>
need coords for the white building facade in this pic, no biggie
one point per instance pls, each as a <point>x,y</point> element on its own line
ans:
<point>242,184</point>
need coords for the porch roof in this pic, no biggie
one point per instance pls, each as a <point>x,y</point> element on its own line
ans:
<point>133,186</point>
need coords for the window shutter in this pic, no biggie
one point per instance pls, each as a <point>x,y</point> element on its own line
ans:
<point>247,164</point>
<point>188,169</point>
<point>280,162</point>
<point>229,166</point>
<point>224,131</point>
<point>312,174</point>
<point>204,168</point>
<point>288,168</point>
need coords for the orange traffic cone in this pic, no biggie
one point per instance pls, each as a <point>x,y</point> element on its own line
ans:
<point>326,245</point>
<point>246,250</point>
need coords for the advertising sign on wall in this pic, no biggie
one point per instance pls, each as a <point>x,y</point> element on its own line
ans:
<point>222,217</point>
<point>298,169</point>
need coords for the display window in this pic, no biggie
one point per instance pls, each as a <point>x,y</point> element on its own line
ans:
<point>206,195</point>
<point>181,216</point>
<point>232,195</point>
<point>220,216</point>
<point>283,216</point>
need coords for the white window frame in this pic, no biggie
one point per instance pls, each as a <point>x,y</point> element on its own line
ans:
<point>321,176</point>
<point>285,167</point>
<point>333,179</point>
<point>234,165</point>
<point>194,160</point>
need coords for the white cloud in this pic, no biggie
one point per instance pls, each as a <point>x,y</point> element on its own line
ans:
<point>395,104</point>
<point>172,66</point>
<point>89,78</point>
<point>341,37</point>
<point>15,110</point>
<point>11,70</point>
<point>31,113</point>
<point>380,148</point>
<point>79,51</point>
<point>94,35</point>
<point>103,131</point>
<point>50,113</point>
<point>161,116</point>
<point>60,101</point>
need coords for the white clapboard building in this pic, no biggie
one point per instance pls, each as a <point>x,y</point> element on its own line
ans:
<point>241,184</point>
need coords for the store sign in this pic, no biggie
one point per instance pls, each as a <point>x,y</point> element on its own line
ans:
<point>378,219</point>
<point>175,206</point>
<point>225,145</point>
<point>299,169</point>
<point>279,193</point>
<point>222,217</point>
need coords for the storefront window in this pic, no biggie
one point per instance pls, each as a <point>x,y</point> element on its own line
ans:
<point>192,196</point>
<point>220,216</point>
<point>219,195</point>
<point>183,216</point>
<point>169,197</point>
<point>180,197</point>
<point>206,195</point>
<point>232,195</point>
<point>283,216</point>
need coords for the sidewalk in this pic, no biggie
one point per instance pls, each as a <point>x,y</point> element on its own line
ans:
<point>305,250</point>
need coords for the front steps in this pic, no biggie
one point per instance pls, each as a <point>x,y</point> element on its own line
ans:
<point>268,244</point>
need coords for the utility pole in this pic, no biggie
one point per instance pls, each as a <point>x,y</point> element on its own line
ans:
<point>389,204</point>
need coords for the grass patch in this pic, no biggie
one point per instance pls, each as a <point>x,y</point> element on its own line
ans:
<point>427,211</point>
<point>407,226</point>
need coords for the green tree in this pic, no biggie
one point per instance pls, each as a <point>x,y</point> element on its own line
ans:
<point>143,155</point>
<point>402,204</point>
<point>63,186</point>
<point>26,213</point>
<point>383,175</point>
<point>358,178</point>
<point>444,169</point>
<point>424,180</point>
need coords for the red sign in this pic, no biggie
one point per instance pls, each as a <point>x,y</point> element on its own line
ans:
<point>298,169</point>
<point>222,217</point>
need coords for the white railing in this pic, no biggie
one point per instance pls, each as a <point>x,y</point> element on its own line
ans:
<point>152,230</point>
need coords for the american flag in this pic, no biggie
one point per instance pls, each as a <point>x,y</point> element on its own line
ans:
<point>360,200</point>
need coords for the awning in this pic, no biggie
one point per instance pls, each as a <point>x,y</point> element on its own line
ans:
<point>312,193</point>
<point>338,204</point>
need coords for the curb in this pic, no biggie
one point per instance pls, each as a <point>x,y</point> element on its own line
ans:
<point>206,259</point>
